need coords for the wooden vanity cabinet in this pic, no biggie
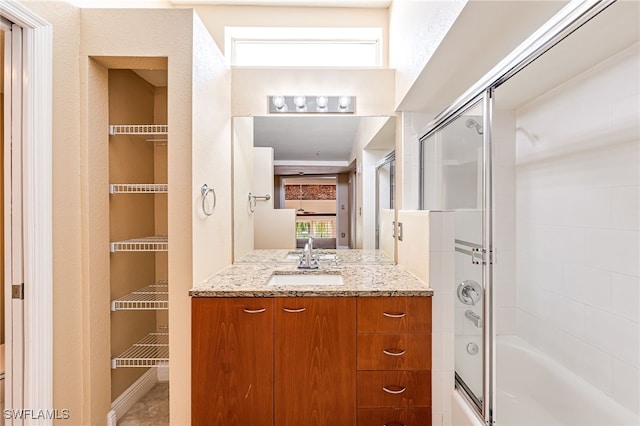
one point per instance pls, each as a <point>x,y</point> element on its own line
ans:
<point>394,361</point>
<point>315,361</point>
<point>312,361</point>
<point>231,361</point>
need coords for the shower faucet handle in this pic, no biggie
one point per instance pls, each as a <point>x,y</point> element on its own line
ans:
<point>469,292</point>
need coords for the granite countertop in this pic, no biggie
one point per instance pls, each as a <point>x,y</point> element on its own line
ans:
<point>291,256</point>
<point>365,273</point>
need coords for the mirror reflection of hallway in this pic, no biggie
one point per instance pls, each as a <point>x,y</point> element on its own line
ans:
<point>315,202</point>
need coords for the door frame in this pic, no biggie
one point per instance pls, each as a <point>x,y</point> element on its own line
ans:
<point>37,110</point>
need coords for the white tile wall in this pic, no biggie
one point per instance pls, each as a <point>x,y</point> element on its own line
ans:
<point>578,226</point>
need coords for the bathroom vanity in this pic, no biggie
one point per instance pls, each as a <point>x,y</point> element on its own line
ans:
<point>310,351</point>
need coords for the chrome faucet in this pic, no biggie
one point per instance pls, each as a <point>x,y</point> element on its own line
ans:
<point>308,260</point>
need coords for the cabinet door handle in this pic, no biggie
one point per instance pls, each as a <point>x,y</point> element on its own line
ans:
<point>394,392</point>
<point>394,314</point>
<point>394,352</point>
<point>294,311</point>
<point>254,311</point>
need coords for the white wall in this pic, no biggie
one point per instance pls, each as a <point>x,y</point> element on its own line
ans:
<point>242,185</point>
<point>408,145</point>
<point>578,223</point>
<point>366,161</point>
<point>416,28</point>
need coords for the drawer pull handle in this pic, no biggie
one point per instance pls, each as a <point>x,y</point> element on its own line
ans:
<point>294,311</point>
<point>254,311</point>
<point>394,424</point>
<point>394,315</point>
<point>394,352</point>
<point>394,392</point>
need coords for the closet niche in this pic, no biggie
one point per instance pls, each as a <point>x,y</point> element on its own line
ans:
<point>137,227</point>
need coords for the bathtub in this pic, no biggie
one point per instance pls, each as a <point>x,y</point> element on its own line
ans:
<point>535,390</point>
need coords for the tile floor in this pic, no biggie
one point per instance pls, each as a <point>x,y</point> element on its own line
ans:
<point>151,410</point>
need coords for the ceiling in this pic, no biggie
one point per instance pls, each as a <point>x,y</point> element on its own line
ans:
<point>313,138</point>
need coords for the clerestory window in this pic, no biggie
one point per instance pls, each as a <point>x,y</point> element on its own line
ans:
<point>304,47</point>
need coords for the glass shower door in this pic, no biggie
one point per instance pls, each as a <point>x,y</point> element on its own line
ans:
<point>453,167</point>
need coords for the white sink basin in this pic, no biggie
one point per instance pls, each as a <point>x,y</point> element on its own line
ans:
<point>306,279</point>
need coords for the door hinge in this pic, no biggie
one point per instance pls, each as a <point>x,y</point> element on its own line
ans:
<point>482,256</point>
<point>17,291</point>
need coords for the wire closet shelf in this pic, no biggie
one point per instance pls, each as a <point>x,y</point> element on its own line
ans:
<point>138,188</point>
<point>154,243</point>
<point>151,351</point>
<point>152,297</point>
<point>139,129</point>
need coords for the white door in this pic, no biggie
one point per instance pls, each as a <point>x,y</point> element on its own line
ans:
<point>13,222</point>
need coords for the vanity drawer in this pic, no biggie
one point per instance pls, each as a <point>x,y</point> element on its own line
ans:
<point>394,314</point>
<point>394,416</point>
<point>394,351</point>
<point>394,389</point>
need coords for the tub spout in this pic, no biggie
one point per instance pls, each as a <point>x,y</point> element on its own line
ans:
<point>473,317</point>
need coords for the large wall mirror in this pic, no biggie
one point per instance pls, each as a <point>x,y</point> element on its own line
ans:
<point>310,176</point>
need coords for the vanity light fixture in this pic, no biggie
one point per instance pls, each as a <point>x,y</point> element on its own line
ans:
<point>311,104</point>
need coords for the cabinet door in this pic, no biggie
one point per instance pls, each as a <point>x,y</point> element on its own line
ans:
<point>232,362</point>
<point>315,361</point>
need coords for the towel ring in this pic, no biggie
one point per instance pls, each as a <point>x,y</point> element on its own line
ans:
<point>205,190</point>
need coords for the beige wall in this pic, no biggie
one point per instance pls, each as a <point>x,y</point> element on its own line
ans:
<point>242,185</point>
<point>374,88</point>
<point>80,142</point>
<point>387,241</point>
<point>272,228</point>
<point>275,229</point>
<point>314,206</point>
<point>217,17</point>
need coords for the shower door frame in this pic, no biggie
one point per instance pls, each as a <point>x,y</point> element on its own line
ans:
<point>486,253</point>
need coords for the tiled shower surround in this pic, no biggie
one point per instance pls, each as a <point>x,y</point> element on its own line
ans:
<point>577,225</point>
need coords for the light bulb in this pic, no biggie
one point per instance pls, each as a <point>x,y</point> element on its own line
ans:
<point>344,102</point>
<point>300,101</point>
<point>278,101</point>
<point>322,101</point>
